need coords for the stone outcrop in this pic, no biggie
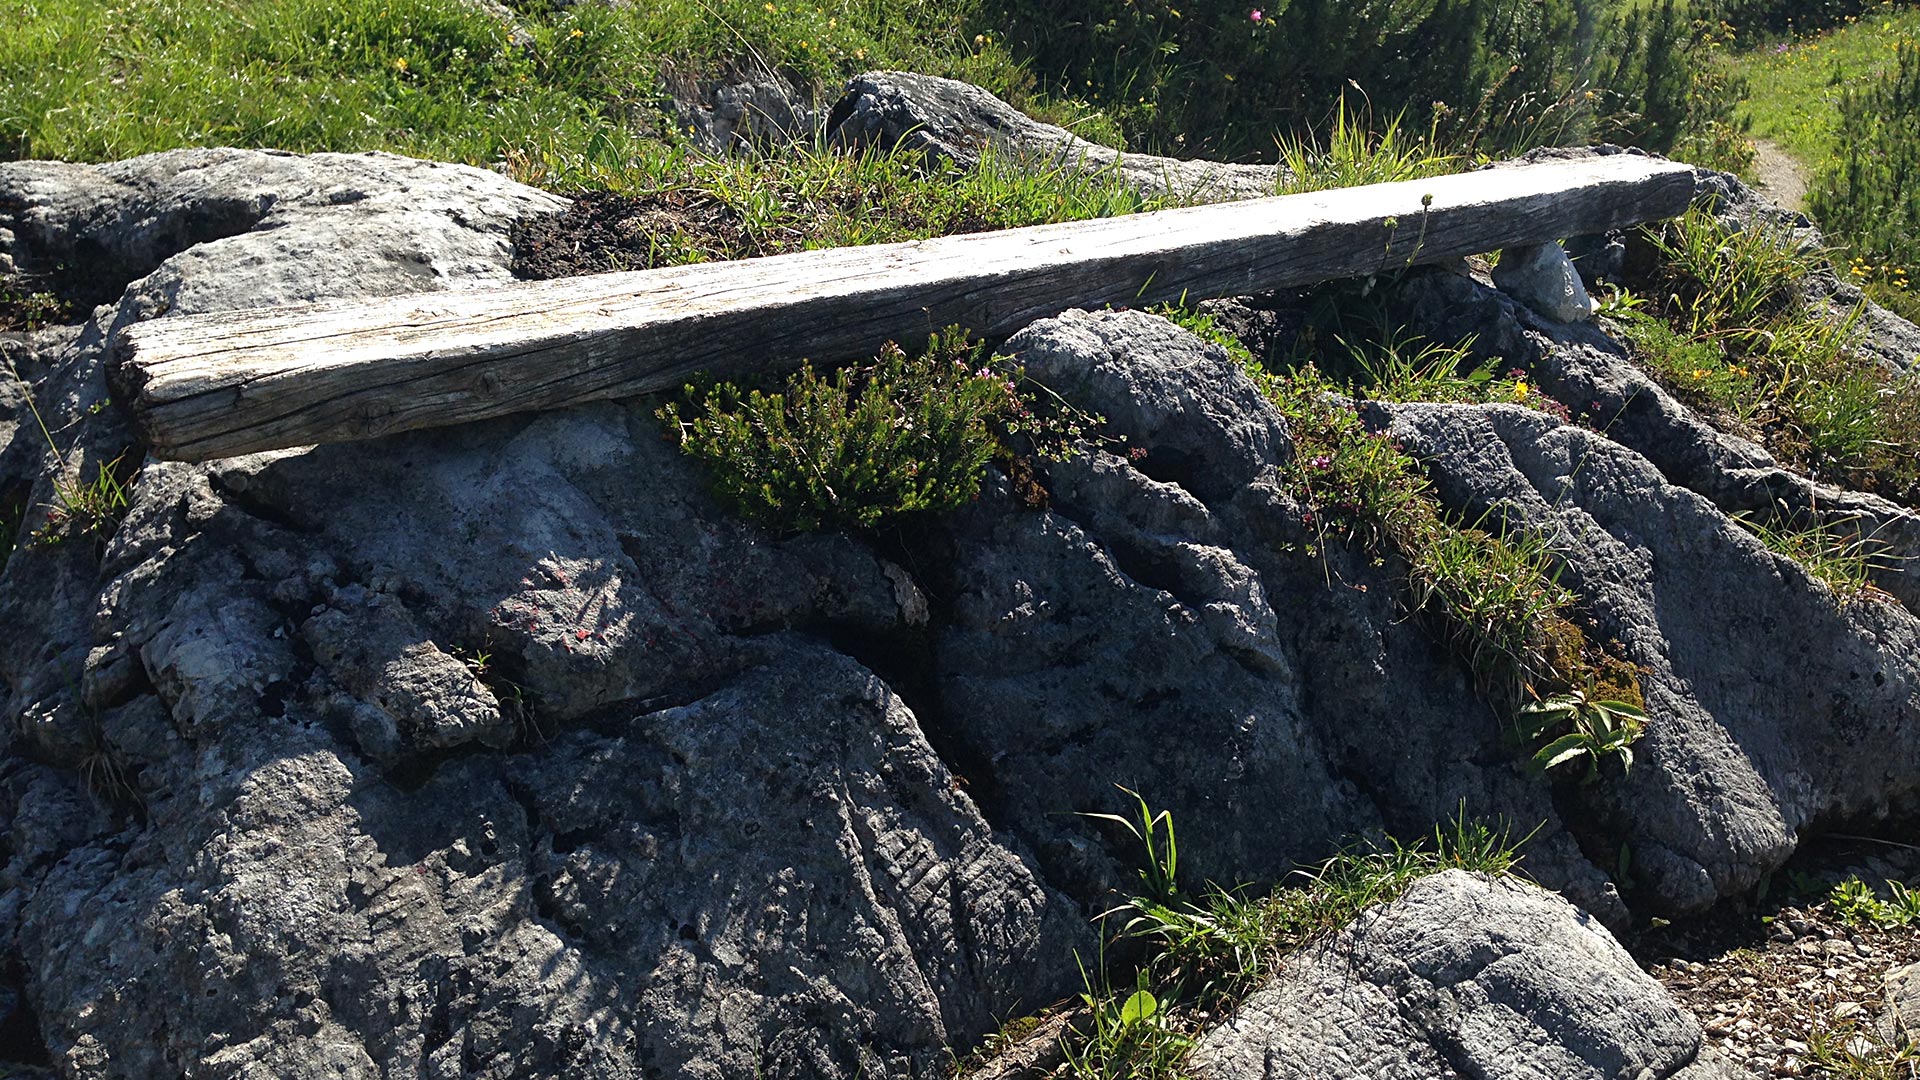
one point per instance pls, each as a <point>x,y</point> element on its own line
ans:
<point>445,757</point>
<point>1462,976</point>
<point>504,751</point>
<point>958,122</point>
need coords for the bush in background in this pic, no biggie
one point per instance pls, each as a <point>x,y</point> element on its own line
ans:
<point>1774,17</point>
<point>1868,193</point>
<point>1221,78</point>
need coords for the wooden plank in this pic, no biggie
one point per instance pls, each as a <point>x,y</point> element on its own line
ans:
<point>211,386</point>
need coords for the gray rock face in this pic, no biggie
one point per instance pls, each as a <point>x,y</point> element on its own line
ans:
<point>1542,277</point>
<point>1776,707</point>
<point>207,230</point>
<point>1902,1019</point>
<point>728,117</point>
<point>500,752</point>
<point>1161,627</point>
<point>503,751</point>
<point>1594,375</point>
<point>1462,976</point>
<point>958,122</point>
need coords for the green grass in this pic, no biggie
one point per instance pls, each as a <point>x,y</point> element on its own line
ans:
<point>1490,592</point>
<point>433,78</point>
<point>1837,102</point>
<point>1734,332</point>
<point>1794,87</point>
<point>1203,950</point>
<point>1486,590</point>
<point>744,207</point>
<point>1836,553</point>
<point>1353,153</point>
<point>82,509</point>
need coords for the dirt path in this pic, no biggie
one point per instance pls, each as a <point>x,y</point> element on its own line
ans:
<point>1780,175</point>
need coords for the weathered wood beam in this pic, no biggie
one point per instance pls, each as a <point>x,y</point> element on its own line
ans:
<point>212,386</point>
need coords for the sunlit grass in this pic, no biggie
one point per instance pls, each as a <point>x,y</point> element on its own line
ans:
<point>1794,87</point>
<point>433,78</point>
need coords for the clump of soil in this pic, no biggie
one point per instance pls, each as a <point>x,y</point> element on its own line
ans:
<point>604,232</point>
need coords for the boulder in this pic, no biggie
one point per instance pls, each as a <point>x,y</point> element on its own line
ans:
<point>1462,976</point>
<point>1542,277</point>
<point>958,122</point>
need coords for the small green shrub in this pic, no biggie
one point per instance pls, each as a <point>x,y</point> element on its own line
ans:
<point>903,435</point>
<point>24,309</point>
<point>1589,726</point>
<point>1859,904</point>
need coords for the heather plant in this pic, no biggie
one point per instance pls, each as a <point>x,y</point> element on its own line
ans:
<point>849,449</point>
<point>871,443</point>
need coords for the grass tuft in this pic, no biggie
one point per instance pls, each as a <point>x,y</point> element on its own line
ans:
<point>1734,331</point>
<point>1353,154</point>
<point>81,508</point>
<point>1204,951</point>
<point>1836,553</point>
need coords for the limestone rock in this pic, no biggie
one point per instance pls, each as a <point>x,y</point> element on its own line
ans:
<point>1543,278</point>
<point>724,117</point>
<point>1462,976</point>
<point>661,830</point>
<point>958,122</point>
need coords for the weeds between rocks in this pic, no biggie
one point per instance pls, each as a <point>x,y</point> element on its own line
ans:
<point>1490,592</point>
<point>1729,328</point>
<point>1201,951</point>
<point>81,508</point>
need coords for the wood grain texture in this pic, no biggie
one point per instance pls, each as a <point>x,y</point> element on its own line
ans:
<point>211,386</point>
